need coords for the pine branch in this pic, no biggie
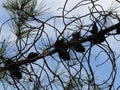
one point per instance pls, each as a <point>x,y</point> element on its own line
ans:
<point>44,54</point>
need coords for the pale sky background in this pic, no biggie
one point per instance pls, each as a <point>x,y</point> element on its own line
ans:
<point>54,5</point>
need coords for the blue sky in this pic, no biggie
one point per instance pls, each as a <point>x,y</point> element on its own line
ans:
<point>54,5</point>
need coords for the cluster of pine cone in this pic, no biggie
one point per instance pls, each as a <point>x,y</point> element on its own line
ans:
<point>62,47</point>
<point>98,39</point>
<point>14,70</point>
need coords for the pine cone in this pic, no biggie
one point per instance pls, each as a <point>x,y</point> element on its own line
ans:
<point>13,69</point>
<point>32,55</point>
<point>99,39</point>
<point>64,55</point>
<point>76,35</point>
<point>78,47</point>
<point>61,47</point>
<point>94,29</point>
